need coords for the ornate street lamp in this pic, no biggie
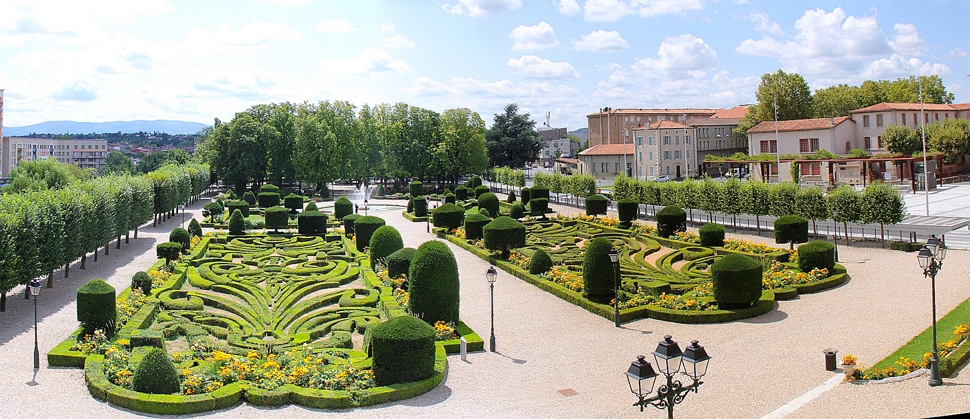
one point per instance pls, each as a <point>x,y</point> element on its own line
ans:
<point>930,258</point>
<point>35,291</point>
<point>491,275</point>
<point>615,258</point>
<point>692,362</point>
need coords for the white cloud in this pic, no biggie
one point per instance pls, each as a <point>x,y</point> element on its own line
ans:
<point>763,23</point>
<point>956,52</point>
<point>370,61</point>
<point>335,26</point>
<point>81,92</point>
<point>481,7</point>
<point>613,10</point>
<point>898,66</point>
<point>541,68</point>
<point>284,3</point>
<point>907,40</point>
<point>256,35</point>
<point>397,41</point>
<point>601,41</point>
<point>568,7</point>
<point>679,57</point>
<point>389,27</point>
<point>533,37</point>
<point>424,86</point>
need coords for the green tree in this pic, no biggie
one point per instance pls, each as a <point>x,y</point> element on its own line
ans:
<point>117,163</point>
<point>881,203</point>
<point>845,204</point>
<point>782,198</point>
<point>901,139</point>
<point>788,90</point>
<point>811,205</point>
<point>730,200</point>
<point>177,156</point>
<point>152,161</point>
<point>755,199</point>
<point>512,140</point>
<point>463,143</point>
<point>950,137</point>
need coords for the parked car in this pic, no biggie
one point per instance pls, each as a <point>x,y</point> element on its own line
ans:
<point>662,178</point>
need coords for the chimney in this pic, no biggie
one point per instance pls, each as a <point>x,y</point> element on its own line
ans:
<point>831,121</point>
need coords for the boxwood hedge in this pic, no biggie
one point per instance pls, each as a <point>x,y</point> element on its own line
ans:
<point>712,235</point>
<point>596,204</point>
<point>817,254</point>
<point>449,216</point>
<point>433,283</point>
<point>96,306</point>
<point>598,271</point>
<point>737,281</point>
<point>474,224</point>
<point>504,234</point>
<point>364,228</point>
<point>670,220</point>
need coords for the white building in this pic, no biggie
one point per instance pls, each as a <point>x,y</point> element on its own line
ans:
<point>871,121</point>
<point>87,154</point>
<point>804,137</point>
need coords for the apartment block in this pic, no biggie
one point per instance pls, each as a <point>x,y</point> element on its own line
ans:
<point>615,126</point>
<point>871,121</point>
<point>87,154</point>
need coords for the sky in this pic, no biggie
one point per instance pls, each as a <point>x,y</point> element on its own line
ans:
<point>110,60</point>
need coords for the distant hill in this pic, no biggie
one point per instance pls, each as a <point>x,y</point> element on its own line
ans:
<point>71,127</point>
<point>582,133</point>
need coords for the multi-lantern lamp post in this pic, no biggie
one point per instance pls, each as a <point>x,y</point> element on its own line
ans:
<point>692,362</point>
<point>615,258</point>
<point>835,216</point>
<point>930,258</point>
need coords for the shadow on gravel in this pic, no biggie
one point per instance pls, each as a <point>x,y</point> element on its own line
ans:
<point>514,360</point>
<point>645,332</point>
<point>775,315</point>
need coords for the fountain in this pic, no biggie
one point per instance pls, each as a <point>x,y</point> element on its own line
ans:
<point>360,195</point>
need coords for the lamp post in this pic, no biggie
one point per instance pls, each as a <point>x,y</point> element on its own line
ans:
<point>670,360</point>
<point>835,216</point>
<point>491,274</point>
<point>615,258</point>
<point>931,257</point>
<point>183,215</point>
<point>365,207</point>
<point>35,291</point>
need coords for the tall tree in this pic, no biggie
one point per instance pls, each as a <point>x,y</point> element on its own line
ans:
<point>463,143</point>
<point>512,140</point>
<point>788,90</point>
<point>901,139</point>
<point>117,163</point>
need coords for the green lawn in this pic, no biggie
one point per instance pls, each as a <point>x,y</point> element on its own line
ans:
<point>923,342</point>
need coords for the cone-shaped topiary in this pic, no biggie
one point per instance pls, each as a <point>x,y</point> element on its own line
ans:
<point>627,210</point>
<point>195,229</point>
<point>791,229</point>
<point>249,197</point>
<point>539,205</point>
<point>349,223</point>
<point>712,235</point>
<point>671,220</point>
<point>312,222</point>
<point>461,193</point>
<point>293,202</point>
<point>410,207</point>
<point>433,283</point>
<point>539,192</point>
<point>448,216</point>
<point>737,281</point>
<point>230,194</point>
<point>242,206</point>
<point>96,307</point>
<point>399,262</point>
<point>540,262</point>
<point>596,204</point>
<point>484,211</point>
<point>526,195</point>
<point>169,251</point>
<point>489,201</point>
<point>504,234</point>
<point>325,192</point>
<point>450,198</point>
<point>142,281</point>
<point>268,199</point>
<point>277,217</point>
<point>474,182</point>
<point>816,254</point>
<point>481,189</point>
<point>181,236</point>
<point>156,374</point>
<point>364,228</point>
<point>237,224</point>
<point>511,197</point>
<point>383,242</point>
<point>416,189</point>
<point>474,223</point>
<point>420,206</point>
<point>342,207</point>
<point>312,206</point>
<point>403,351</point>
<point>598,271</point>
<point>517,211</point>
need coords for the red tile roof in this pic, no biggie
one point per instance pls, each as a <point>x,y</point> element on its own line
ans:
<point>666,125</point>
<point>799,124</point>
<point>961,106</point>
<point>665,111</point>
<point>735,112</point>
<point>608,150</point>
<point>905,106</point>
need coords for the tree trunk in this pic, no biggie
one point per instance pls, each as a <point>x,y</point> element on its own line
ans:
<point>814,228</point>
<point>84,260</point>
<point>3,302</point>
<point>757,219</point>
<point>107,246</point>
<point>126,236</point>
<point>27,292</point>
<point>155,220</point>
<point>96,254</point>
<point>50,279</point>
<point>67,270</point>
<point>882,234</point>
<point>118,244</point>
<point>136,232</point>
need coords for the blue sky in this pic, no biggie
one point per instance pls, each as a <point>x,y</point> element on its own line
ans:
<point>198,60</point>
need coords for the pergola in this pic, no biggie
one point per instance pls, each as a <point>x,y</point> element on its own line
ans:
<point>865,166</point>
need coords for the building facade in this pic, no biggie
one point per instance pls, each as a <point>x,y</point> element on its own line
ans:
<point>664,148</point>
<point>87,154</point>
<point>615,126</point>
<point>872,121</point>
<point>801,137</point>
<point>606,161</point>
<point>553,140</point>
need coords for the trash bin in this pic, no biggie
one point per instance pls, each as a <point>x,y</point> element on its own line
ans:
<point>830,362</point>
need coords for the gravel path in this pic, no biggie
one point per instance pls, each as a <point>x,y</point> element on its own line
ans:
<point>546,345</point>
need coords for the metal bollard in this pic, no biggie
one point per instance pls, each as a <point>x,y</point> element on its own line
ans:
<point>830,362</point>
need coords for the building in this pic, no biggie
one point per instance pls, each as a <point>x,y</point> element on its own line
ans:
<point>87,154</point>
<point>715,136</point>
<point>566,166</point>
<point>605,161</point>
<point>664,148</point>
<point>801,136</point>
<point>871,121</point>
<point>615,126</point>
<point>553,140</point>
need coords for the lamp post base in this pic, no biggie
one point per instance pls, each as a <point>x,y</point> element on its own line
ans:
<point>935,379</point>
<point>491,344</point>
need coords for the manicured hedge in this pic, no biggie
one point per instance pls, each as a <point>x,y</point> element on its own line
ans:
<point>238,205</point>
<point>448,216</point>
<point>598,271</point>
<point>212,208</point>
<point>269,188</point>
<point>473,182</point>
<point>489,201</point>
<point>539,205</point>
<point>342,207</point>
<point>249,197</point>
<point>311,206</point>
<point>312,222</point>
<point>817,254</point>
<point>195,229</point>
<point>416,189</point>
<point>791,229</point>
<point>474,223</point>
<point>481,189</point>
<point>504,234</point>
<point>364,228</point>
<point>526,196</point>
<point>156,374</point>
<point>142,281</point>
<point>269,199</point>
<point>627,211</point>
<point>694,253</point>
<point>539,192</point>
<point>169,251</point>
<point>712,235</point>
<point>420,205</point>
<point>461,193</point>
<point>277,217</point>
<point>433,283</point>
<point>237,223</point>
<point>96,306</point>
<point>349,221</point>
<point>517,211</point>
<point>385,241</point>
<point>181,236</point>
<point>596,205</point>
<point>540,262</point>
<point>511,198</point>
<point>450,198</point>
<point>737,281</point>
<point>670,220</point>
<point>293,202</point>
<point>399,262</point>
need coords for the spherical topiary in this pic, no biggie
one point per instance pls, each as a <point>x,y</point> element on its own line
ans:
<point>385,241</point>
<point>169,251</point>
<point>489,201</point>
<point>540,262</point>
<point>156,374</point>
<point>598,271</point>
<point>403,351</point>
<point>449,198</point>
<point>96,306</point>
<point>461,193</point>
<point>420,206</point>
<point>249,197</point>
<point>364,228</point>
<point>342,207</point>
<point>817,254</point>
<point>399,262</point>
<point>277,217</point>
<point>737,281</point>
<point>448,216</point>
<point>481,189</point>
<point>181,236</point>
<point>596,204</point>
<point>525,196</point>
<point>416,189</point>
<point>474,182</point>
<point>293,202</point>
<point>237,223</point>
<point>349,223</point>
<point>791,229</point>
<point>312,222</point>
<point>242,206</point>
<point>671,220</point>
<point>539,192</point>
<point>504,234</point>
<point>627,210</point>
<point>312,206</point>
<point>517,211</point>
<point>195,229</point>
<point>433,283</point>
<point>712,235</point>
<point>142,281</point>
<point>268,199</point>
<point>474,223</point>
<point>511,197</point>
<point>539,205</point>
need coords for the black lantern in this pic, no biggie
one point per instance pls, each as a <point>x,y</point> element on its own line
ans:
<point>668,356</point>
<point>695,360</point>
<point>643,374</point>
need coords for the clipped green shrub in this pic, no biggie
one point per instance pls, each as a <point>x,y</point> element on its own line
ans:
<point>325,192</point>
<point>249,197</point>
<point>403,350</point>
<point>433,283</point>
<point>364,228</point>
<point>230,194</point>
<point>517,211</point>
<point>242,206</point>
<point>420,206</point>
<point>349,223</point>
<point>737,281</point>
<point>627,211</point>
<point>312,206</point>
<point>791,229</point>
<point>539,192</point>
<point>598,271</point>
<point>212,209</point>
<point>525,195</point>
<point>277,217</point>
<point>511,197</point>
<point>484,211</point>
<point>156,374</point>
<point>474,223</point>
<point>450,198</point>
<point>170,251</point>
<point>461,193</point>
<point>448,216</point>
<point>489,201</point>
<point>504,234</point>
<point>342,207</point>
<point>817,254</point>
<point>269,188</point>
<point>474,182</point>
<point>712,235</point>
<point>399,262</point>
<point>481,189</point>
<point>195,229</point>
<point>410,207</point>
<point>671,220</point>
<point>181,236</point>
<point>96,307</point>
<point>694,253</point>
<point>268,199</point>
<point>312,222</point>
<point>142,281</point>
<point>385,241</point>
<point>416,189</point>
<point>539,205</point>
<point>237,222</point>
<point>596,204</point>
<point>293,202</point>
<point>540,262</point>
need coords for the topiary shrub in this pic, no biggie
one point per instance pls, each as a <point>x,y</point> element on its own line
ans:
<point>712,235</point>
<point>276,218</point>
<point>410,207</point>
<point>312,222</point>
<point>489,201</point>
<point>791,229</point>
<point>269,199</point>
<point>399,262</point>
<point>242,206</point>
<point>540,262</point>
<point>96,307</point>
<point>671,220</point>
<point>342,207</point>
<point>517,211</point>
<point>237,223</point>
<point>474,223</point>
<point>181,236</point>
<point>484,211</point>
<point>212,209</point>
<point>324,192</point>
<point>249,197</point>
<point>461,193</point>
<point>293,202</point>
<point>433,283</point>
<point>450,198</point>
<point>269,188</point>
<point>364,228</point>
<point>474,182</point>
<point>539,192</point>
<point>312,206</point>
<point>420,205</point>
<point>694,252</point>
<point>142,281</point>
<point>481,189</point>
<point>511,197</point>
<point>230,194</point>
<point>596,205</point>
<point>504,234</point>
<point>817,254</point>
<point>737,281</point>
<point>448,216</point>
<point>539,205</point>
<point>526,195</point>
<point>170,251</point>
<point>416,189</point>
<point>403,351</point>
<point>195,229</point>
<point>598,278</point>
<point>156,374</point>
<point>349,223</point>
<point>385,241</point>
<point>627,210</point>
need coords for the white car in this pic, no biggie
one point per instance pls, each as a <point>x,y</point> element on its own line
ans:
<point>662,178</point>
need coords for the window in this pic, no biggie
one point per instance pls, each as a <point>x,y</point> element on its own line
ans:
<point>813,144</point>
<point>926,118</point>
<point>594,167</point>
<point>668,170</point>
<point>651,170</point>
<point>904,119</point>
<point>639,170</point>
<point>616,167</point>
<point>769,146</point>
<point>936,116</point>
<point>650,140</point>
<point>650,156</point>
<point>688,153</point>
<point>865,121</point>
<point>676,154</point>
<point>803,145</point>
<point>667,155</point>
<point>879,142</point>
<point>915,120</point>
<point>605,167</point>
<point>868,142</point>
<point>640,155</point>
<point>686,139</point>
<point>879,120</point>
<point>666,140</point>
<point>810,169</point>
<point>848,147</point>
<point>677,138</point>
<point>639,141</point>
